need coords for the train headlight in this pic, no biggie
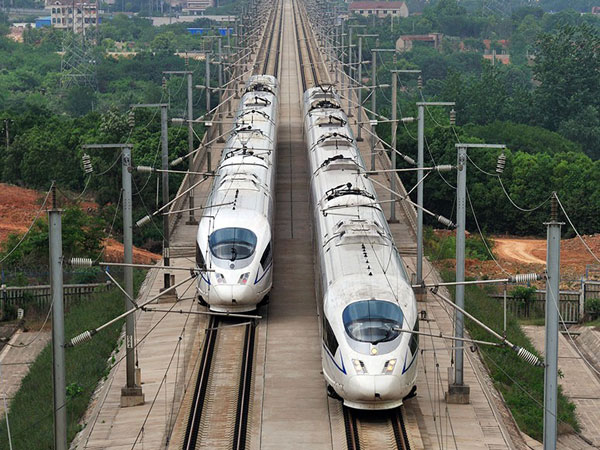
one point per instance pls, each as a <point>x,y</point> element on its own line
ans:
<point>244,278</point>
<point>220,278</point>
<point>388,368</point>
<point>359,366</point>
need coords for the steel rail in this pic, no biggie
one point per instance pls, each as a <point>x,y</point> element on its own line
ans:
<point>245,389</point>
<point>201,388</point>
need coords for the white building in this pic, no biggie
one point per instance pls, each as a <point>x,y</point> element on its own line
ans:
<point>74,15</point>
<point>379,8</point>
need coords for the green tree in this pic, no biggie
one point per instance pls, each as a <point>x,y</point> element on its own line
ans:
<point>584,128</point>
<point>567,68</point>
<point>81,233</point>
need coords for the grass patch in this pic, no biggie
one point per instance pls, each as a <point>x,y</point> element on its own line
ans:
<point>594,323</point>
<point>539,321</point>
<point>438,247</point>
<point>30,412</point>
<point>511,375</point>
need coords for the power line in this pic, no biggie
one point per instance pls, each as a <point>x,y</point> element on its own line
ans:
<point>481,235</point>
<point>575,229</point>
<point>517,206</point>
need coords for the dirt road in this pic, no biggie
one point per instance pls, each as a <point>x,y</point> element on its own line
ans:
<point>527,251</point>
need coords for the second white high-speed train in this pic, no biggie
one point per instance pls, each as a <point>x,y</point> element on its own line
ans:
<point>235,239</point>
<point>367,299</point>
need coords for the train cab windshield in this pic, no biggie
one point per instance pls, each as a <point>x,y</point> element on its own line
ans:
<point>232,243</point>
<point>372,321</point>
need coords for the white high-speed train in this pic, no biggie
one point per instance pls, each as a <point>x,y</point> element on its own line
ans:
<point>235,240</point>
<point>367,298</point>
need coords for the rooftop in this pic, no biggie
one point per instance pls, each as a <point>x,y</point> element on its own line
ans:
<point>376,5</point>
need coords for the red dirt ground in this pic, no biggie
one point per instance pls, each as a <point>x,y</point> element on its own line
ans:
<point>526,255</point>
<point>18,207</point>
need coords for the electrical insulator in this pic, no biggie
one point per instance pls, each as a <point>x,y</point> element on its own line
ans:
<point>452,117</point>
<point>444,221</point>
<point>187,60</point>
<point>528,357</point>
<point>81,338</point>
<point>145,169</point>
<point>420,82</point>
<point>87,163</point>
<point>131,118</point>
<point>501,163</point>
<point>143,221</point>
<point>81,262</point>
<point>177,161</point>
<point>164,83</point>
<point>525,278</point>
<point>409,160</point>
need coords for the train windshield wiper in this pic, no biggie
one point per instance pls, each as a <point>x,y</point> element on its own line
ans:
<point>388,335</point>
<point>233,253</point>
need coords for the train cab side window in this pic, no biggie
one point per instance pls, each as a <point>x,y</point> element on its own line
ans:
<point>267,257</point>
<point>413,344</point>
<point>329,337</point>
<point>199,257</point>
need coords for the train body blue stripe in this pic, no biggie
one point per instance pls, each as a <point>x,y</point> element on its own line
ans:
<point>341,369</point>
<point>257,280</point>
<point>405,368</point>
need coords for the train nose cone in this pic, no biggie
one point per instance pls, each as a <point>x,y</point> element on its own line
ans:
<point>373,389</point>
<point>360,388</point>
<point>232,297</point>
<point>387,387</point>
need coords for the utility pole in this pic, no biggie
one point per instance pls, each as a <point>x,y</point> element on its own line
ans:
<point>350,29</point>
<point>420,157</point>
<point>190,122</point>
<point>458,391</point>
<point>395,73</point>
<point>131,393</point>
<point>343,59</point>
<point>171,296</point>
<point>58,325</point>
<point>220,73</point>
<point>374,52</point>
<point>552,304</point>
<point>207,80</point>
<point>359,93</point>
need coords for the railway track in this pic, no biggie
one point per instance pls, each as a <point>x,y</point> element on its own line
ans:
<point>220,404</point>
<point>364,429</point>
<point>375,429</point>
<point>309,71</point>
<point>273,49</point>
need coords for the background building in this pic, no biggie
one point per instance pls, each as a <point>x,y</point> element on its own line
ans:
<point>76,15</point>
<point>196,7</point>
<point>379,8</point>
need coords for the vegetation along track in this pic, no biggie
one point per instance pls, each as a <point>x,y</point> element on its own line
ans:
<point>375,429</point>
<point>218,416</point>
